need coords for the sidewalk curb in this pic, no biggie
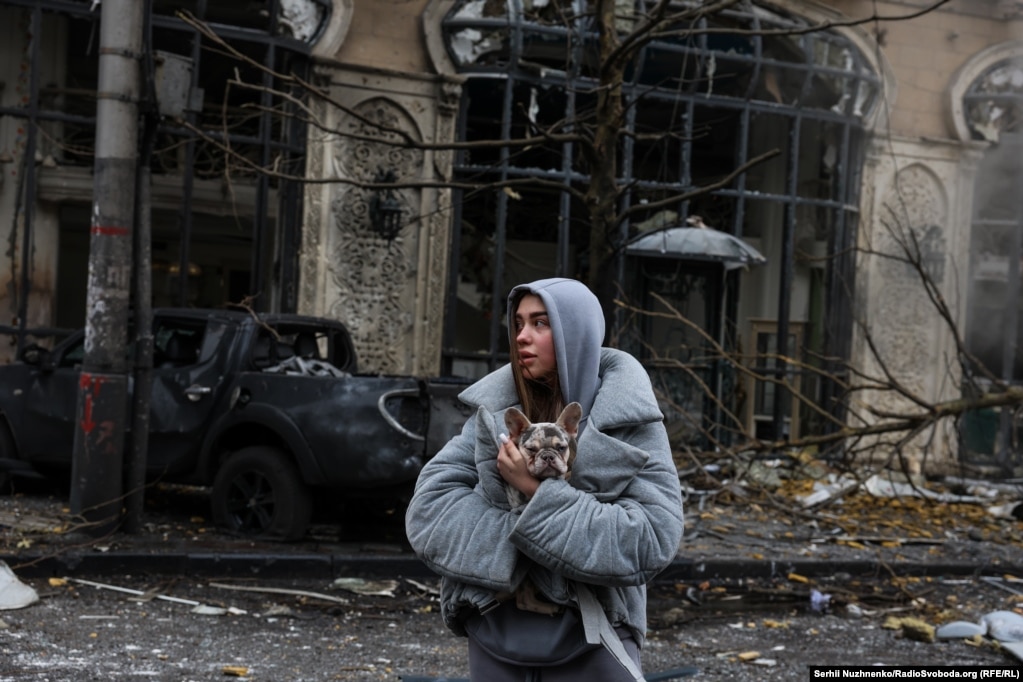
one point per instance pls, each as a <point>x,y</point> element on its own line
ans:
<point>329,566</point>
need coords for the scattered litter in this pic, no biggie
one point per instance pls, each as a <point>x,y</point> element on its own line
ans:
<point>912,628</point>
<point>1003,626</point>
<point>1014,648</point>
<point>960,629</point>
<point>235,671</point>
<point>14,594</point>
<point>829,492</point>
<point>1012,510</point>
<point>819,601</point>
<point>423,587</point>
<point>280,590</point>
<point>205,610</point>
<point>198,607</point>
<point>367,588</point>
<point>855,610</point>
<point>1000,583</point>
<point>880,486</point>
<point>748,656</point>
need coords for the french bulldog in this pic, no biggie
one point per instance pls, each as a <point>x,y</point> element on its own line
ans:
<point>549,449</point>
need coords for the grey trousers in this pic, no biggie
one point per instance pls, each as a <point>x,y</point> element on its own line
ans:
<point>598,665</point>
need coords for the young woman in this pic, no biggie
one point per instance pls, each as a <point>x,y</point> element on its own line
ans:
<point>589,544</point>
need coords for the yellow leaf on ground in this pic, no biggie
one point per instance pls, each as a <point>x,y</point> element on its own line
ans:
<point>777,624</point>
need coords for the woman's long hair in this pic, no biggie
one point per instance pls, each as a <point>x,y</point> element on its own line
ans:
<point>541,400</point>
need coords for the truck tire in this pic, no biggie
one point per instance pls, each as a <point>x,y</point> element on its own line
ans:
<point>259,492</point>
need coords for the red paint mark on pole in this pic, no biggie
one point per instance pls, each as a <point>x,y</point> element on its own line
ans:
<point>87,423</point>
<point>91,384</point>
<point>110,230</point>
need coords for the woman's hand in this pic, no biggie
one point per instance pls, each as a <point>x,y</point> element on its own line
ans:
<point>511,464</point>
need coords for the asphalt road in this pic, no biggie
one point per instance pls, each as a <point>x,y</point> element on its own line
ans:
<point>295,622</point>
<point>755,631</point>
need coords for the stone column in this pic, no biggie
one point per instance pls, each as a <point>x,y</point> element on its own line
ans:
<point>390,293</point>
<point>914,257</point>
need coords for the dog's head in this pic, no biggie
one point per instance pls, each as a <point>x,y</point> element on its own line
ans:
<point>549,447</point>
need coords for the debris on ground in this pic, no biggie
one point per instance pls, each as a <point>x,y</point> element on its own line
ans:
<point>198,607</point>
<point>368,588</point>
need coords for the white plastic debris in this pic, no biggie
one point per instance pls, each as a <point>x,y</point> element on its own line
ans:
<point>880,486</point>
<point>1005,626</point>
<point>1012,510</point>
<point>14,594</point>
<point>819,601</point>
<point>369,588</point>
<point>960,629</point>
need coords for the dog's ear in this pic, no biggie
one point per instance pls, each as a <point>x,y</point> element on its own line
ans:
<point>569,418</point>
<point>516,423</point>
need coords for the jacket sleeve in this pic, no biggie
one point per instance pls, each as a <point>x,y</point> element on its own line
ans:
<point>452,526</point>
<point>620,523</point>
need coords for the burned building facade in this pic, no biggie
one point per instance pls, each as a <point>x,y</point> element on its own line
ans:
<point>365,161</point>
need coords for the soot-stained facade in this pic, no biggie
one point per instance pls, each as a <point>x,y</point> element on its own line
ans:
<point>878,138</point>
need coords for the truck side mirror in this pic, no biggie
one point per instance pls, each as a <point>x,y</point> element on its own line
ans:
<point>38,356</point>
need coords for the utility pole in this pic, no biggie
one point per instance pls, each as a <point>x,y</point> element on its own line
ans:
<point>97,466</point>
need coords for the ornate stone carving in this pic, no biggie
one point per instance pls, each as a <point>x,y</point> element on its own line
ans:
<point>311,252</point>
<point>371,274</point>
<point>911,224</point>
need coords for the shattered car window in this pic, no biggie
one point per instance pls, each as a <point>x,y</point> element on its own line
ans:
<point>177,343</point>
<point>297,350</point>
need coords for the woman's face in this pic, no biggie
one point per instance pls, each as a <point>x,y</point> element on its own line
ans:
<point>533,339</point>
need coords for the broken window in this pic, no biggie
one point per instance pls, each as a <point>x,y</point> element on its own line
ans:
<point>223,228</point>
<point>700,99</point>
<point>993,103</point>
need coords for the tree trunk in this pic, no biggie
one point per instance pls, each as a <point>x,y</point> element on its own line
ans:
<point>602,194</point>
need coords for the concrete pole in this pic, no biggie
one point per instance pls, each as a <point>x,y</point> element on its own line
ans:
<point>97,460</point>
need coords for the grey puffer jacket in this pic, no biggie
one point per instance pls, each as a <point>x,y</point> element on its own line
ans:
<point>614,525</point>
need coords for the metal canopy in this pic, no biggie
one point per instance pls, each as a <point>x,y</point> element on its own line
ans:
<point>696,243</point>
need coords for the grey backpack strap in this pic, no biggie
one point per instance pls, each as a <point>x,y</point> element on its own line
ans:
<point>599,631</point>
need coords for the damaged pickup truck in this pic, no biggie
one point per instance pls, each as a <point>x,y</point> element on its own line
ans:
<point>268,410</point>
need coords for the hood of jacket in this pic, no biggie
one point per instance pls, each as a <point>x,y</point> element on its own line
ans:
<point>577,326</point>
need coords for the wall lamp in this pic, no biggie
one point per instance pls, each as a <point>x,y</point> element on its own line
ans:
<point>384,207</point>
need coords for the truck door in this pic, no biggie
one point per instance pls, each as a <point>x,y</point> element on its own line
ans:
<point>45,430</point>
<point>187,377</point>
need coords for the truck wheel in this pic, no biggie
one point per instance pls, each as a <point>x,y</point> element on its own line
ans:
<point>258,491</point>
